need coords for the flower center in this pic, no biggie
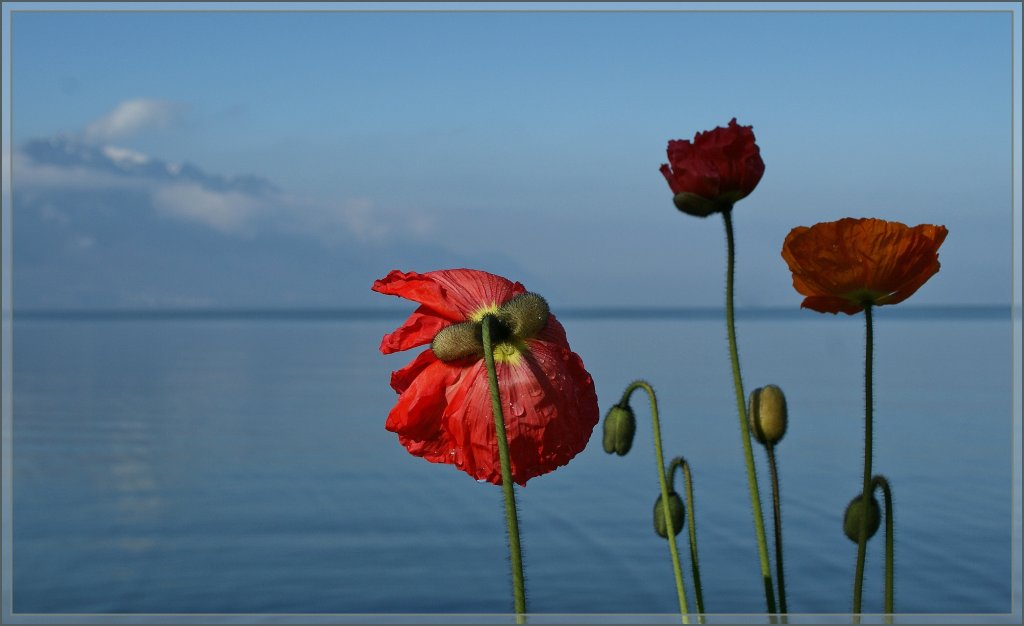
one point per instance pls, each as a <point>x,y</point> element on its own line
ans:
<point>510,351</point>
<point>512,324</point>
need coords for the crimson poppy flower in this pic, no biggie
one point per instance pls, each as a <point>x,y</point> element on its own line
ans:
<point>711,173</point>
<point>444,411</point>
<point>849,264</point>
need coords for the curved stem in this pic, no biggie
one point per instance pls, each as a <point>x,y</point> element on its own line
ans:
<point>511,517</point>
<point>777,511</point>
<point>741,405</point>
<point>858,580</point>
<point>879,482</point>
<point>692,522</point>
<point>673,550</point>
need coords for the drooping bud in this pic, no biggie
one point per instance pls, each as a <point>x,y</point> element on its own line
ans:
<point>767,414</point>
<point>853,518</point>
<point>692,204</point>
<point>525,315</point>
<point>676,511</point>
<point>458,341</point>
<point>619,428</point>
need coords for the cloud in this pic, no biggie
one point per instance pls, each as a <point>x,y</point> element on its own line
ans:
<point>132,117</point>
<point>31,175</point>
<point>229,212</point>
<point>234,206</point>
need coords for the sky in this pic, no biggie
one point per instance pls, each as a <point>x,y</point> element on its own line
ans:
<point>182,158</point>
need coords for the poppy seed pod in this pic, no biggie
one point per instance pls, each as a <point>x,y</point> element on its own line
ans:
<point>619,428</point>
<point>458,341</point>
<point>525,315</point>
<point>852,519</point>
<point>676,511</point>
<point>767,414</point>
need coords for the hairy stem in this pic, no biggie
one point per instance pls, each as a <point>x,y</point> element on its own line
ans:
<point>777,510</point>
<point>858,580</point>
<point>511,516</point>
<point>879,482</point>
<point>741,405</point>
<point>660,458</point>
<point>692,522</point>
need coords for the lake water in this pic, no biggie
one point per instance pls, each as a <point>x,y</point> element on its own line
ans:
<point>240,466</point>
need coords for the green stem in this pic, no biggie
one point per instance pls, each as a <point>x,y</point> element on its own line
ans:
<point>741,405</point>
<point>858,580</point>
<point>692,522</point>
<point>879,482</point>
<point>777,511</point>
<point>659,457</point>
<point>511,518</point>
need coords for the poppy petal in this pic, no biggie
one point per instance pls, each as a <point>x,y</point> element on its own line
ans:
<point>550,410</point>
<point>401,379</point>
<point>844,265</point>
<point>446,297</point>
<point>721,165</point>
<point>416,414</point>
<point>444,411</point>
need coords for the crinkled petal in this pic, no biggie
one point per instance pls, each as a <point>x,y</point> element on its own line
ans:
<point>401,379</point>
<point>445,296</point>
<point>444,411</point>
<point>550,410</point>
<point>840,266</point>
<point>417,414</point>
<point>830,304</point>
<point>723,164</point>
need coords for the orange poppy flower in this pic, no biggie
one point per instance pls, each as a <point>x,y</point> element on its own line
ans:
<point>444,409</point>
<point>849,264</point>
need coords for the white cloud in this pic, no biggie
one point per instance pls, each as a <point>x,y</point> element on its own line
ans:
<point>229,212</point>
<point>124,155</point>
<point>27,174</point>
<point>133,116</point>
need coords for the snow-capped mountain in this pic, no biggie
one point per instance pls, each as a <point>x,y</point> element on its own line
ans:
<point>99,226</point>
<point>66,151</point>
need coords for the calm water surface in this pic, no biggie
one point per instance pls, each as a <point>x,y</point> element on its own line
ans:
<point>242,466</point>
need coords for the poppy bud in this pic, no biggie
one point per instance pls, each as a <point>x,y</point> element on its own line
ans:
<point>525,315</point>
<point>619,428</point>
<point>676,511</point>
<point>692,204</point>
<point>853,518</point>
<point>458,341</point>
<point>767,414</point>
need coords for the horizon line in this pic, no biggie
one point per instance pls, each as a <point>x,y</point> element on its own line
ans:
<point>325,313</point>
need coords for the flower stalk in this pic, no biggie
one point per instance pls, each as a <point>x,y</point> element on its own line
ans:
<point>777,513</point>
<point>755,497</point>
<point>511,515</point>
<point>879,482</point>
<point>663,482</point>
<point>681,464</point>
<point>858,580</point>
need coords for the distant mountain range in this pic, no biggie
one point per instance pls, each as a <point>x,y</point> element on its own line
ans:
<point>68,152</point>
<point>99,226</point>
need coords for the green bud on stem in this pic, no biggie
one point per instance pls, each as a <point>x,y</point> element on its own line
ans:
<point>676,511</point>
<point>619,429</point>
<point>767,414</point>
<point>853,518</point>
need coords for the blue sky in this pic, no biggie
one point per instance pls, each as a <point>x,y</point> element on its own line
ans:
<point>526,142</point>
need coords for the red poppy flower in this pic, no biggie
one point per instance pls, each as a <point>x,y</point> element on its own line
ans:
<point>851,263</point>
<point>444,409</point>
<point>718,168</point>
